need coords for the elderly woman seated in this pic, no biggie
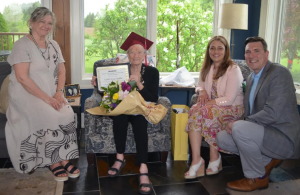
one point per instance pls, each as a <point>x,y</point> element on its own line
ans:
<point>147,79</point>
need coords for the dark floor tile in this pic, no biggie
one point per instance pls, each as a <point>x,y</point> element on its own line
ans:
<point>104,163</point>
<point>292,167</point>
<point>154,157</point>
<point>128,184</point>
<point>103,166</point>
<point>235,161</point>
<point>182,189</point>
<point>87,181</point>
<point>2,162</point>
<point>168,173</point>
<point>83,193</point>
<point>216,184</point>
<point>279,174</point>
<point>8,164</point>
<point>81,162</point>
<point>290,164</point>
<point>293,172</point>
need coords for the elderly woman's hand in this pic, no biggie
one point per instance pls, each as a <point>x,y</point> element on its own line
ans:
<point>93,81</point>
<point>203,98</point>
<point>136,78</point>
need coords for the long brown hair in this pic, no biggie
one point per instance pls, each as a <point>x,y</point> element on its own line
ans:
<point>208,61</point>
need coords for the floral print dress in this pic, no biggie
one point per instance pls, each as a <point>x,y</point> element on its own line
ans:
<point>211,119</point>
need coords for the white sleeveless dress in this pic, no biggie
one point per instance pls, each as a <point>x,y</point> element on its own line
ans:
<point>37,135</point>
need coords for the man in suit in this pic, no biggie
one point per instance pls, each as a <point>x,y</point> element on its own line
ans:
<point>270,128</point>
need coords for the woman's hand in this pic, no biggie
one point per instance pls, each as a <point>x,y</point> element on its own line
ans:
<point>137,78</point>
<point>93,81</point>
<point>59,96</point>
<point>54,103</point>
<point>203,98</point>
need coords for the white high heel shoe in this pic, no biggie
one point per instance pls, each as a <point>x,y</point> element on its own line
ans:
<point>215,166</point>
<point>196,170</point>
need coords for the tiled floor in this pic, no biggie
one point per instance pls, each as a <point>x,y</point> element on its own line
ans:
<point>167,178</point>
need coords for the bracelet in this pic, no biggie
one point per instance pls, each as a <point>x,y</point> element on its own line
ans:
<point>61,90</point>
<point>199,92</point>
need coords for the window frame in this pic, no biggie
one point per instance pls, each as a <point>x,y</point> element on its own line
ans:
<point>78,74</point>
<point>272,18</point>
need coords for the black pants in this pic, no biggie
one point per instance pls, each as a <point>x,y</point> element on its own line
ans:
<point>139,127</point>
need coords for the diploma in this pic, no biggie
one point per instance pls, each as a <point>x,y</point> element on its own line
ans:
<point>109,73</point>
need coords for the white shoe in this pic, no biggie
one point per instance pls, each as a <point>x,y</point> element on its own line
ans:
<point>196,170</point>
<point>215,166</point>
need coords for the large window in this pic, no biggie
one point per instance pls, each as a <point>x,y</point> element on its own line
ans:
<point>186,23</point>
<point>290,49</point>
<point>13,20</point>
<point>108,24</point>
<point>189,25</point>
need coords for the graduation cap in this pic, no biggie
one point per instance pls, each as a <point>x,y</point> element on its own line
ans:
<point>134,39</point>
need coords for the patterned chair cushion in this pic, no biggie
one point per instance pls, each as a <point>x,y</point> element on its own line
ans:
<point>99,129</point>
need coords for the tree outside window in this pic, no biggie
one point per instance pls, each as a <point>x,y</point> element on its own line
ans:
<point>290,54</point>
<point>13,18</point>
<point>112,25</point>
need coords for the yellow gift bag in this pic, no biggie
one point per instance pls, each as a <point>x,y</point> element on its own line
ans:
<point>179,119</point>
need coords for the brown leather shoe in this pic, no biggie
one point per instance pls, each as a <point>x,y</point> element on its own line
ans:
<point>274,163</point>
<point>248,185</point>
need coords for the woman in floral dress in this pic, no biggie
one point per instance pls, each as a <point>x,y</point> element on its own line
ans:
<point>220,101</point>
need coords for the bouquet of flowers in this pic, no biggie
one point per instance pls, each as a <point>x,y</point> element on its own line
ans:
<point>114,94</point>
<point>124,99</point>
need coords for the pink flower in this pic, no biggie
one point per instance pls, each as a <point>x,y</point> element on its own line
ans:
<point>125,93</point>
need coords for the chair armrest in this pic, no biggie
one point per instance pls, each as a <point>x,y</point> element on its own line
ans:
<point>165,123</point>
<point>165,102</point>
<point>193,100</point>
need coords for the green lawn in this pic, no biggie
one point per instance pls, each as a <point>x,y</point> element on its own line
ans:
<point>295,68</point>
<point>89,63</point>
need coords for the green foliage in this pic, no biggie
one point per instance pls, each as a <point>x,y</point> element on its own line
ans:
<point>27,9</point>
<point>291,40</point>
<point>112,26</point>
<point>195,29</point>
<point>17,15</point>
<point>89,20</point>
<point>195,17</point>
<point>4,28</point>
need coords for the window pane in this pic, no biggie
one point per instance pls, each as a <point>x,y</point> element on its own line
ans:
<point>195,19</point>
<point>107,24</point>
<point>290,54</point>
<point>13,18</point>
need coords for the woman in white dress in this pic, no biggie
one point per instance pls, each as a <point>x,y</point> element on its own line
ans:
<point>40,129</point>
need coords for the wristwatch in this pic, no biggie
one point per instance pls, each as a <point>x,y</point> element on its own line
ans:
<point>61,90</point>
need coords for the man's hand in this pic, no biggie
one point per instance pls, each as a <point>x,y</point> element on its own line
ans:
<point>229,127</point>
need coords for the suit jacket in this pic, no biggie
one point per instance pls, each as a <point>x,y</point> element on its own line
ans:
<point>275,108</point>
<point>229,86</point>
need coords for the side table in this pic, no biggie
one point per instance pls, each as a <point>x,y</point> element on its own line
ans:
<point>190,90</point>
<point>76,106</point>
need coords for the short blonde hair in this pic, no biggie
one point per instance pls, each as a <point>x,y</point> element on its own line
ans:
<point>38,14</point>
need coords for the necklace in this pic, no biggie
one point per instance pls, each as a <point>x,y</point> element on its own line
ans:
<point>42,53</point>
